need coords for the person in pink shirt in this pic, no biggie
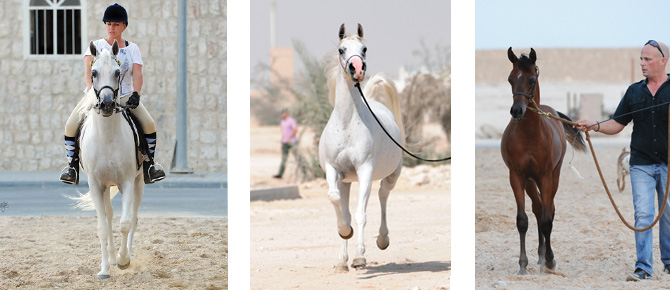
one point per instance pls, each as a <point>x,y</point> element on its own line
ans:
<point>289,129</point>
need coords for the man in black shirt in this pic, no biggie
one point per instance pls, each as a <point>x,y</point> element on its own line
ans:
<point>649,146</point>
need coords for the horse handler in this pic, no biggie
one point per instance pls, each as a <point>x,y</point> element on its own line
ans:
<point>116,21</point>
<point>648,156</point>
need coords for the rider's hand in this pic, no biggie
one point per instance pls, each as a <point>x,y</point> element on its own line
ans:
<point>133,101</point>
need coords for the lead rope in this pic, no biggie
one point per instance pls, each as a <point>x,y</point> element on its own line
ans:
<point>358,85</point>
<point>602,178</point>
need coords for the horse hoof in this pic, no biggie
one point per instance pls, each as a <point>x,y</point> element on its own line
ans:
<point>383,243</point>
<point>551,265</point>
<point>359,263</point>
<point>124,266</point>
<point>342,268</point>
<point>351,234</point>
<point>103,277</point>
<point>522,272</point>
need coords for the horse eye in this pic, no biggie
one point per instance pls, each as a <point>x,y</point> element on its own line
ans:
<point>117,73</point>
<point>532,80</point>
<point>94,74</point>
<point>341,50</point>
<point>365,49</point>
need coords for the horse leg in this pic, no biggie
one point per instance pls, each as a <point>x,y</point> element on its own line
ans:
<point>386,185</point>
<point>548,188</point>
<point>517,184</point>
<point>137,196</point>
<point>338,193</point>
<point>127,217</point>
<point>110,214</point>
<point>364,173</point>
<point>104,229</point>
<point>531,190</point>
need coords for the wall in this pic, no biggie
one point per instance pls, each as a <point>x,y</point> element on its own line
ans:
<point>38,95</point>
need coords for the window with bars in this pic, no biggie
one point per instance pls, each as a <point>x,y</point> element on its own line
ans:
<point>54,28</point>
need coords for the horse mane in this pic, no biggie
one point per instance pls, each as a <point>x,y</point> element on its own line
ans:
<point>332,67</point>
<point>381,87</point>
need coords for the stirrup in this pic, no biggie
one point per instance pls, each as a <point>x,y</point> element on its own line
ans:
<point>66,170</point>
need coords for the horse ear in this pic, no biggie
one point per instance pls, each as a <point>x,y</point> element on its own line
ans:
<point>91,47</point>
<point>115,48</point>
<point>342,31</point>
<point>512,57</point>
<point>533,56</point>
<point>360,30</point>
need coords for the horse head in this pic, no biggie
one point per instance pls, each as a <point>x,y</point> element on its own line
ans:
<point>105,74</point>
<point>523,79</point>
<point>352,54</point>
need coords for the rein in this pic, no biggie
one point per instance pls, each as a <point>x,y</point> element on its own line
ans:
<point>595,159</point>
<point>358,85</point>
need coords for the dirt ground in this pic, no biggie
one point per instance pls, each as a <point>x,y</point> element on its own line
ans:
<point>294,243</point>
<point>63,252</point>
<point>593,249</point>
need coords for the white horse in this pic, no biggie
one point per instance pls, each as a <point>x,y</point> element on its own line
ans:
<point>108,159</point>
<point>354,148</point>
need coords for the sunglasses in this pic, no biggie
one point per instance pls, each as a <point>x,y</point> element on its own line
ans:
<point>655,44</point>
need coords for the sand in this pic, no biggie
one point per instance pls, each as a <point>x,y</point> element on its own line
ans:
<point>294,243</point>
<point>593,248</point>
<point>63,252</point>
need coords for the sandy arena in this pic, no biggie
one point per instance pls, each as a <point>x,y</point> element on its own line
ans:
<point>63,252</point>
<point>294,243</point>
<point>592,248</point>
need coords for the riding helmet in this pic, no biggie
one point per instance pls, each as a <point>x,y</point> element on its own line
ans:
<point>115,13</point>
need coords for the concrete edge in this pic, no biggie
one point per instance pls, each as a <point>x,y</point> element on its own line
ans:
<point>275,193</point>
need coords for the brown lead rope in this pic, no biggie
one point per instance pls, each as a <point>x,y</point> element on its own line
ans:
<point>593,153</point>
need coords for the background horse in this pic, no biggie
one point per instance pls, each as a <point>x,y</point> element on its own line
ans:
<point>354,148</point>
<point>108,159</point>
<point>533,148</point>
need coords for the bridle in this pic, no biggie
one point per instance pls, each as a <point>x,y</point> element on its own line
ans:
<point>532,92</point>
<point>115,92</point>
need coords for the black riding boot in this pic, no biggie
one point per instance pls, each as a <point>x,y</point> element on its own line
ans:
<point>151,173</point>
<point>70,174</point>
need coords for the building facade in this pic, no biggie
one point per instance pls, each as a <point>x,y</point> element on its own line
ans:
<point>40,90</point>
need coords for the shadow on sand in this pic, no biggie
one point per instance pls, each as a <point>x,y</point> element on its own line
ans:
<point>393,268</point>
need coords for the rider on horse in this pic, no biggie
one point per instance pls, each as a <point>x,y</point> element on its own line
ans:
<point>130,58</point>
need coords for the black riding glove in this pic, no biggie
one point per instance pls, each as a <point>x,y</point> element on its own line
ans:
<point>133,101</point>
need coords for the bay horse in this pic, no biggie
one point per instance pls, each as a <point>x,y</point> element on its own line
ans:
<point>533,147</point>
<point>353,147</point>
<point>109,160</point>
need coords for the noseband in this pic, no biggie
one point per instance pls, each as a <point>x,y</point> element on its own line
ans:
<point>347,62</point>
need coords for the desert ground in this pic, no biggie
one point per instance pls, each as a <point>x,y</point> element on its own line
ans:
<point>294,243</point>
<point>63,252</point>
<point>592,247</point>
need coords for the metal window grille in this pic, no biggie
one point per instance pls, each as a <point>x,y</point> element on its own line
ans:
<point>55,27</point>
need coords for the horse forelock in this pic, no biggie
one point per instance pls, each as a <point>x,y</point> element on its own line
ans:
<point>525,64</point>
<point>105,58</point>
<point>351,37</point>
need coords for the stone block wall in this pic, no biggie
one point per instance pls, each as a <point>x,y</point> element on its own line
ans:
<point>38,95</point>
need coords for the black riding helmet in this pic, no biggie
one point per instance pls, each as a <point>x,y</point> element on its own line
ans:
<point>115,13</point>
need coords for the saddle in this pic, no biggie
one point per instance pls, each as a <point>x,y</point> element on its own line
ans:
<point>141,145</point>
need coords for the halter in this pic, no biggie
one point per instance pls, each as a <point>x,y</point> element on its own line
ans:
<point>344,68</point>
<point>532,92</point>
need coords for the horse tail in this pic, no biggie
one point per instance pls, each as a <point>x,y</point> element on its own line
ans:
<point>84,201</point>
<point>573,135</point>
<point>382,85</point>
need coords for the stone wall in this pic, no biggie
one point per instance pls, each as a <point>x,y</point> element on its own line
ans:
<point>599,65</point>
<point>38,95</point>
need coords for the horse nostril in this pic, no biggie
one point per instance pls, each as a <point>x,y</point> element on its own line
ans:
<point>352,69</point>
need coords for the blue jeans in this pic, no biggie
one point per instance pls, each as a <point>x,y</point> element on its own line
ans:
<point>645,179</point>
